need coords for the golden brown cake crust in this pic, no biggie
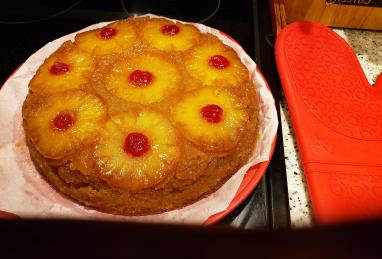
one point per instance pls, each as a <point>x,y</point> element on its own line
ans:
<point>194,171</point>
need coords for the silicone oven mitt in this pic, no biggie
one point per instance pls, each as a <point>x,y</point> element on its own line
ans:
<point>337,118</point>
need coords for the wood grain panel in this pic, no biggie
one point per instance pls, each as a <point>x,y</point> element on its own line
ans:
<point>331,14</point>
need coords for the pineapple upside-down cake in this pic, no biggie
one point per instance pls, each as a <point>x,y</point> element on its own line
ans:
<point>141,116</point>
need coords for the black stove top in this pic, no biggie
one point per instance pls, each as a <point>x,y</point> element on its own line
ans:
<point>28,25</point>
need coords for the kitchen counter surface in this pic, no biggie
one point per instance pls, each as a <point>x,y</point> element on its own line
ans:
<point>368,47</point>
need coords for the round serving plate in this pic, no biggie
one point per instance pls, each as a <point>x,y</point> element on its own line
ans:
<point>251,178</point>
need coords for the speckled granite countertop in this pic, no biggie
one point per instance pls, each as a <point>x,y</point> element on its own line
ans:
<point>368,47</point>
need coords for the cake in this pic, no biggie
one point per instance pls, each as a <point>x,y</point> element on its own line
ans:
<point>142,116</point>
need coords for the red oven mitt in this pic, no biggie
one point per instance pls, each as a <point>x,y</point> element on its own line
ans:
<point>337,118</point>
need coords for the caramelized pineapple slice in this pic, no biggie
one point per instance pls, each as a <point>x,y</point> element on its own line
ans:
<point>168,36</point>
<point>113,38</point>
<point>145,79</point>
<point>59,124</point>
<point>213,63</point>
<point>67,68</point>
<point>211,118</point>
<point>137,150</point>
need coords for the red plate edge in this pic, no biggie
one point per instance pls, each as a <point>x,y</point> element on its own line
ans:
<point>250,180</point>
<point>248,184</point>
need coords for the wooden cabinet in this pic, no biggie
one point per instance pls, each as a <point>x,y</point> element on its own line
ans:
<point>359,14</point>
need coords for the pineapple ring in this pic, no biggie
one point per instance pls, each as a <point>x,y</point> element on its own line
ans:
<point>228,69</point>
<point>59,124</point>
<point>66,69</point>
<point>168,36</point>
<point>113,38</point>
<point>217,133</point>
<point>135,172</point>
<point>164,79</point>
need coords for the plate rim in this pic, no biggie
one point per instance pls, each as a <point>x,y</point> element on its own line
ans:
<point>251,179</point>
